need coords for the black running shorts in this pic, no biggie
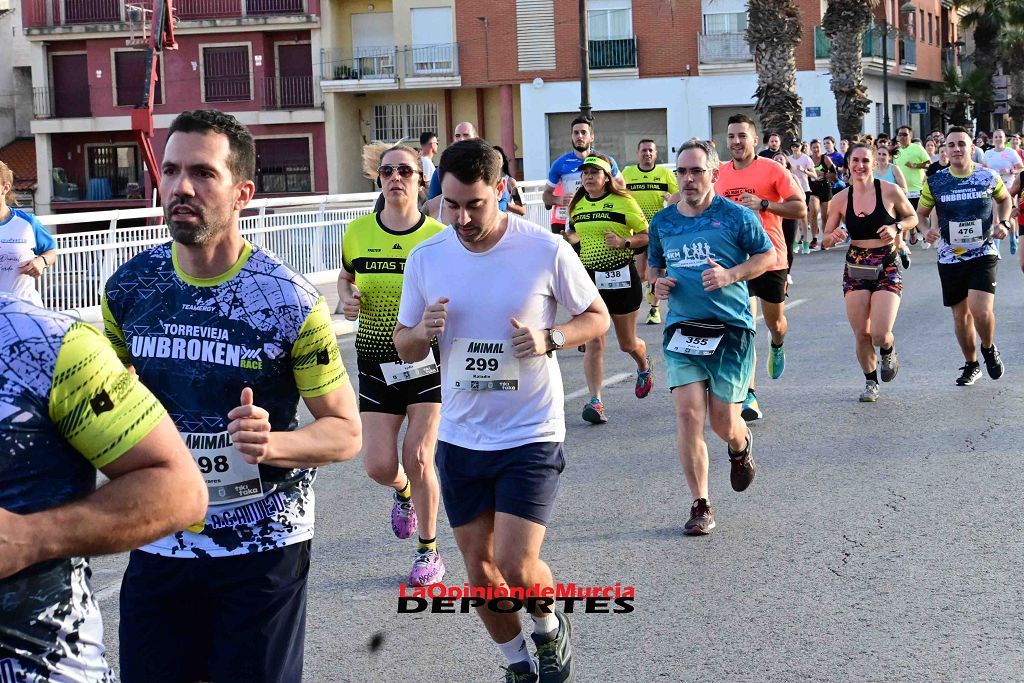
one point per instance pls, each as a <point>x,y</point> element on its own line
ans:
<point>375,396</point>
<point>957,278</point>
<point>626,300</point>
<point>769,286</point>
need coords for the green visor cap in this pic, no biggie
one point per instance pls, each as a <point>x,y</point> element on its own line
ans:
<point>598,162</point>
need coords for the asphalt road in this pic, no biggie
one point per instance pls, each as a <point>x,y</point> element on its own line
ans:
<point>879,542</point>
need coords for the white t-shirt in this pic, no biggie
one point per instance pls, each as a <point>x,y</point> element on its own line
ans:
<point>22,237</point>
<point>1002,163</point>
<point>428,169</point>
<point>526,275</point>
<point>804,162</point>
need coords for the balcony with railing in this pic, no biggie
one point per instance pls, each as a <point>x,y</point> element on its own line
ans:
<point>390,67</point>
<point>724,48</point>
<point>54,103</point>
<point>613,54</point>
<point>290,92</point>
<point>872,46</point>
<point>117,14</point>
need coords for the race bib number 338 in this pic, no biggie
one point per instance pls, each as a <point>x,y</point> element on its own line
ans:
<point>483,365</point>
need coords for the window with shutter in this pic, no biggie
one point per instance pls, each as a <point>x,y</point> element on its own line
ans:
<point>535,34</point>
<point>226,75</point>
<point>283,165</point>
<point>130,75</point>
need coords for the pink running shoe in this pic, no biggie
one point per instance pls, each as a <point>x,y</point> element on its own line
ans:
<point>645,380</point>
<point>403,518</point>
<point>427,568</point>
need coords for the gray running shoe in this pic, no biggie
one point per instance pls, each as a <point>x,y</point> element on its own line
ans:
<point>870,393</point>
<point>890,366</point>
<point>555,656</point>
<point>702,519</point>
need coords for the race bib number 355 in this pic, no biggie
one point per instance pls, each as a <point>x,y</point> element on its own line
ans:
<point>693,345</point>
<point>229,478</point>
<point>483,365</point>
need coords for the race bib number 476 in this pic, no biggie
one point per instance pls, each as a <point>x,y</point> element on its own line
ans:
<point>483,365</point>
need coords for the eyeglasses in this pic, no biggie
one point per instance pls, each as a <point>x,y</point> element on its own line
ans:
<point>695,172</point>
<point>404,170</point>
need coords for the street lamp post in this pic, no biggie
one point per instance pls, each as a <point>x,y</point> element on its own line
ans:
<point>906,8</point>
<point>584,61</point>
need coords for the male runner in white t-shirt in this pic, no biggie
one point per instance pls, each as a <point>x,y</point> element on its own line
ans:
<point>488,289</point>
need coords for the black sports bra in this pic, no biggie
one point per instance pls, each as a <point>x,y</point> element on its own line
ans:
<point>866,227</point>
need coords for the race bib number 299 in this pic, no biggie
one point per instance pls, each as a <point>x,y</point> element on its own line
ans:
<point>483,365</point>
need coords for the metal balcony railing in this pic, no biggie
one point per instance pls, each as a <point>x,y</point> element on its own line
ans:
<point>290,92</point>
<point>872,45</point>
<point>44,13</point>
<point>51,103</point>
<point>374,63</point>
<point>432,60</point>
<point>724,48</point>
<point>613,54</point>
<point>228,88</point>
<point>265,7</point>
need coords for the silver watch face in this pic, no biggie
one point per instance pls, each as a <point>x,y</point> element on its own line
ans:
<point>557,338</point>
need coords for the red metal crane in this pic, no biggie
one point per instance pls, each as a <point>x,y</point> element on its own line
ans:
<point>161,37</point>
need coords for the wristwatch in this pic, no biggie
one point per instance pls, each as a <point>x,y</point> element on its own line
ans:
<point>625,244</point>
<point>556,339</point>
<point>764,204</point>
<point>1006,223</point>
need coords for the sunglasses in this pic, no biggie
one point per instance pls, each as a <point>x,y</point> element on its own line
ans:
<point>404,170</point>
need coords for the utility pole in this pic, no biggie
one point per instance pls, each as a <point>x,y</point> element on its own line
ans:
<point>584,61</point>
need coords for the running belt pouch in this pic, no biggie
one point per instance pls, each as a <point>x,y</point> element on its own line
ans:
<point>862,272</point>
<point>697,328</point>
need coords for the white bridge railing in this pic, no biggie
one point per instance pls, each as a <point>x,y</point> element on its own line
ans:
<point>306,233</point>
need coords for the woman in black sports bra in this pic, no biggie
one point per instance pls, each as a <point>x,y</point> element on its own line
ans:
<point>874,212</point>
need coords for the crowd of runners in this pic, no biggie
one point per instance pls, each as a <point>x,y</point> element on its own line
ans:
<point>189,404</point>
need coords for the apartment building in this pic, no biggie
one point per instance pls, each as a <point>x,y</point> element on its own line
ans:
<point>390,70</point>
<point>251,58</point>
<point>672,70</point>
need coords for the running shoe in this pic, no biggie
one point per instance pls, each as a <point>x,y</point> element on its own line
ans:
<point>702,519</point>
<point>742,466</point>
<point>926,244</point>
<point>913,238</point>
<point>890,366</point>
<point>427,568</point>
<point>776,361</point>
<point>654,316</point>
<point>403,518</point>
<point>814,244</point>
<point>798,248</point>
<point>645,380</point>
<point>905,258</point>
<point>554,657</point>
<point>807,248</point>
<point>870,393</point>
<point>969,374</point>
<point>519,673</point>
<point>1013,244</point>
<point>751,411</point>
<point>993,363</point>
<point>593,412</point>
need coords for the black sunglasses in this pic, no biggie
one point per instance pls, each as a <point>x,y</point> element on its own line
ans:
<point>404,170</point>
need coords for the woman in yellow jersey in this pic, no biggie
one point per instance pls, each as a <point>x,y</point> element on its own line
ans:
<point>374,250</point>
<point>608,224</point>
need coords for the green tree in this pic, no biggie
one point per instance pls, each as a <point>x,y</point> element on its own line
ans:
<point>844,24</point>
<point>773,32</point>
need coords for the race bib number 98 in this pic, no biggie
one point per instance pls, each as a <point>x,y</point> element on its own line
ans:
<point>229,478</point>
<point>483,365</point>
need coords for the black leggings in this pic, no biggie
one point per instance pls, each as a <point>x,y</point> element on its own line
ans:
<point>789,231</point>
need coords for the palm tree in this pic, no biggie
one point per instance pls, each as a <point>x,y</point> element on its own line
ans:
<point>844,24</point>
<point>988,17</point>
<point>1011,52</point>
<point>959,93</point>
<point>773,32</point>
